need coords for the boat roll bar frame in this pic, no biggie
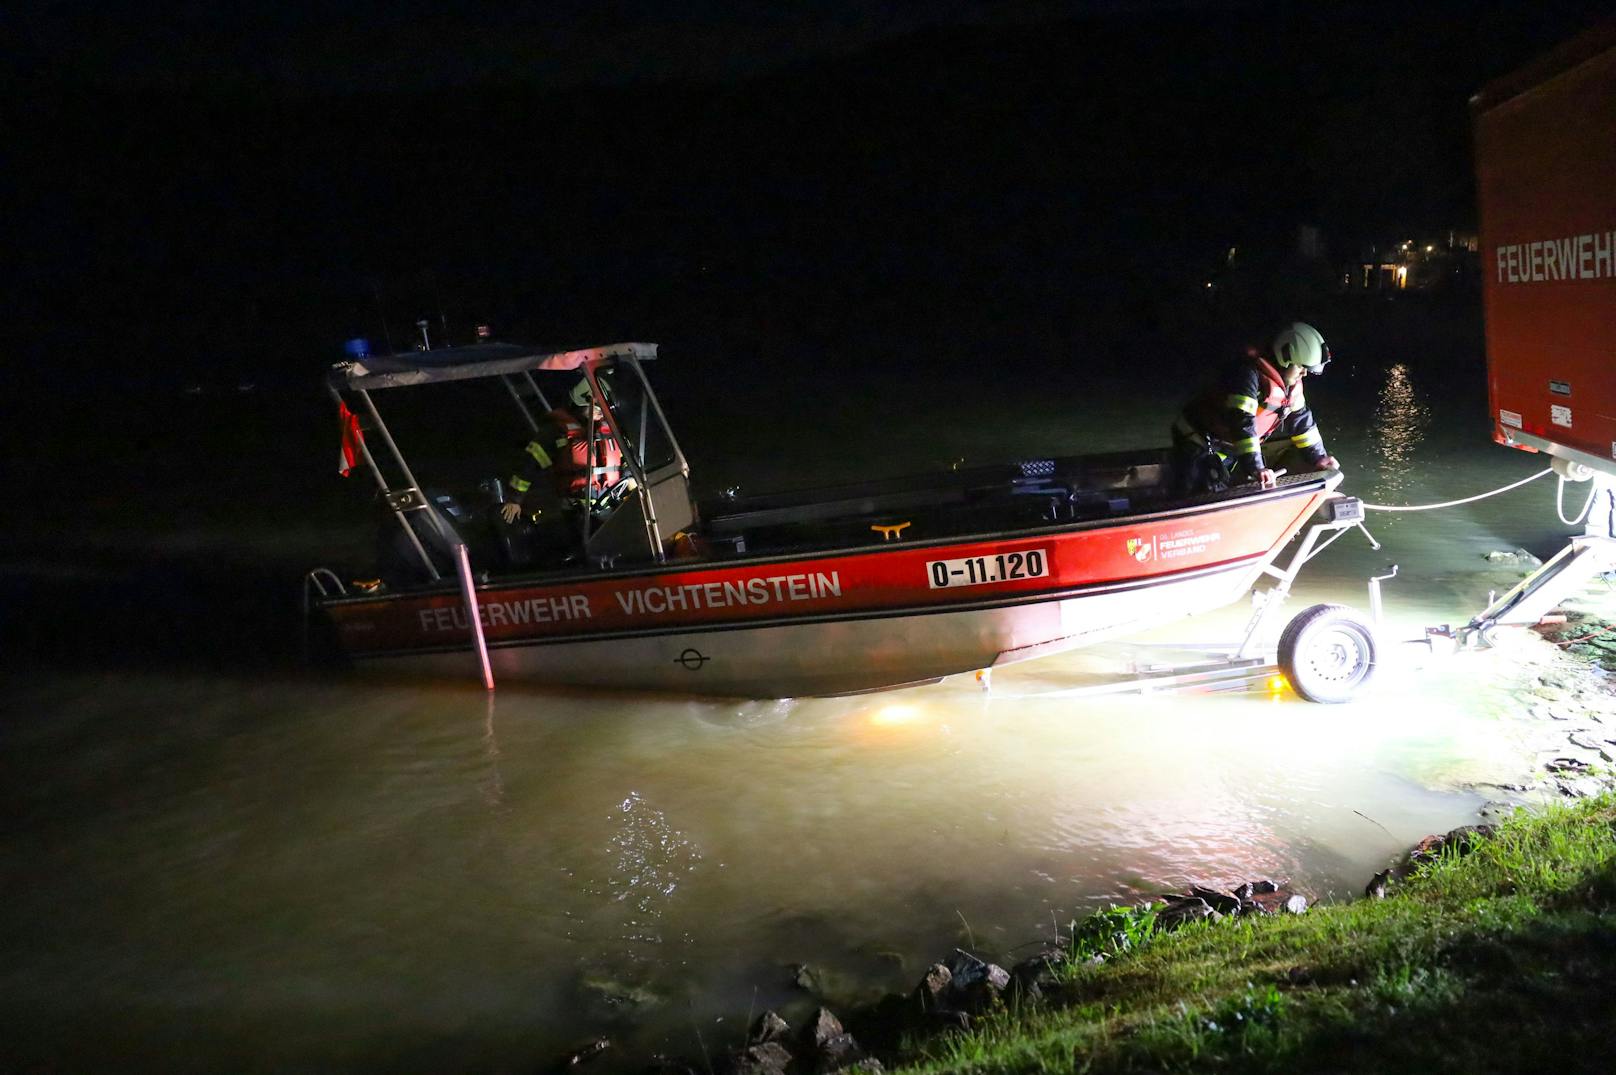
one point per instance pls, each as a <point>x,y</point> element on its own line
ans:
<point>1225,667</point>
<point>508,364</point>
<point>515,368</point>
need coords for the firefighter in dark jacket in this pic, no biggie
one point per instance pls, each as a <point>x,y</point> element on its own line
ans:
<point>1255,403</point>
<point>568,466</point>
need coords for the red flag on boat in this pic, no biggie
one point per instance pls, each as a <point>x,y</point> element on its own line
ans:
<point>352,438</point>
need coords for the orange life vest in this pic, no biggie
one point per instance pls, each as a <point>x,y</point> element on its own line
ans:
<point>571,473</point>
<point>1276,400</point>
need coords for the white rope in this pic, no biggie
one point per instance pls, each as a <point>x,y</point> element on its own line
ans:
<point>1456,503</point>
<point>1559,503</point>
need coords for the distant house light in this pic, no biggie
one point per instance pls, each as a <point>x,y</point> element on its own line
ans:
<point>1429,248</point>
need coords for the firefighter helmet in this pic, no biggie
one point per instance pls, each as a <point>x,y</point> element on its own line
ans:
<point>582,393</point>
<point>1301,345</point>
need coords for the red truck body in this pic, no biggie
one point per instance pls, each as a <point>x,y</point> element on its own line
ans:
<point>1546,182</point>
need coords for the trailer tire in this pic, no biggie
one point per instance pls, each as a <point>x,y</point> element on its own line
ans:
<point>1327,653</point>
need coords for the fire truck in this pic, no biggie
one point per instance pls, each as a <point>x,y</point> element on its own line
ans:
<point>1545,141</point>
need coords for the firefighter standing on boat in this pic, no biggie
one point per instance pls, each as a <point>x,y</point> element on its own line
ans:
<point>570,465</point>
<point>1254,404</point>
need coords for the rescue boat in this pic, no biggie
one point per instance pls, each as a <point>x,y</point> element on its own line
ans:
<point>822,591</point>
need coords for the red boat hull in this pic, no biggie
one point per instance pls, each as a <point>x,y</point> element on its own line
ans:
<point>855,619</point>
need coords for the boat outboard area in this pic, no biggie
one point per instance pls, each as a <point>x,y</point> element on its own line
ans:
<point>626,578</point>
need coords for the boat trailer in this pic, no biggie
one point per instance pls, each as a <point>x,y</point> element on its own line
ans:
<point>1327,652</point>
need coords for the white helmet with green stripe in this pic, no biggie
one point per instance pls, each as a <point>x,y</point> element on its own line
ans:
<point>583,393</point>
<point>1301,345</point>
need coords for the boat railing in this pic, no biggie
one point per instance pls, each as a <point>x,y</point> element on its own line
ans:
<point>320,583</point>
<point>316,581</point>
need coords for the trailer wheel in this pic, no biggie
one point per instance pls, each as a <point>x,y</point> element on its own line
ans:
<point>1327,652</point>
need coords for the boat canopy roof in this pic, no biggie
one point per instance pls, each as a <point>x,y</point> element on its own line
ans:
<point>468,363</point>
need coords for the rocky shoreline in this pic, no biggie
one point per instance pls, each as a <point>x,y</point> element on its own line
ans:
<point>1560,689</point>
<point>962,987</point>
<point>1564,703</point>
<point>956,991</point>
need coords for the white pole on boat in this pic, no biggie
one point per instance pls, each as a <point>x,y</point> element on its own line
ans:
<point>468,591</point>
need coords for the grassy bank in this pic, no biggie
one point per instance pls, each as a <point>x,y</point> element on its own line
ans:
<point>1501,960</point>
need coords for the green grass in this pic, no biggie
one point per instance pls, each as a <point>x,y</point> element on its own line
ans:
<point>1503,960</point>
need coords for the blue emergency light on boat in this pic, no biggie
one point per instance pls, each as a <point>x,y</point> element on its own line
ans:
<point>358,347</point>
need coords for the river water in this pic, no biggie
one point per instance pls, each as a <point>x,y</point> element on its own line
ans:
<point>207,868</point>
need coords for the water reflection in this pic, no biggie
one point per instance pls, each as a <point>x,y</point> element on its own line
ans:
<point>649,859</point>
<point>493,785</point>
<point>1399,424</point>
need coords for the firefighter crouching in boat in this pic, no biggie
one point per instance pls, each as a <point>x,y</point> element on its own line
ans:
<point>1254,404</point>
<point>556,480</point>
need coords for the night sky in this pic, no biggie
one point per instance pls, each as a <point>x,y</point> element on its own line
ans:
<point>207,192</point>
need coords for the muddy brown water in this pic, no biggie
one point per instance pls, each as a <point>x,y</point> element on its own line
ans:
<point>207,871</point>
